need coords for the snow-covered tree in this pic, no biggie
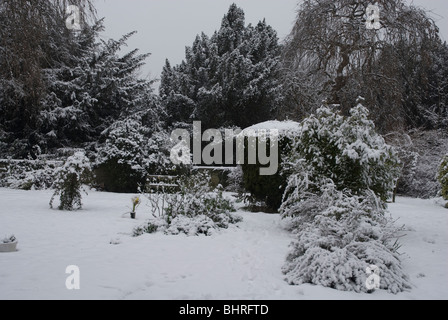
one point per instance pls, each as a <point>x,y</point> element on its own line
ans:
<point>228,79</point>
<point>332,56</point>
<point>58,87</point>
<point>91,92</point>
<point>132,150</point>
<point>420,152</point>
<point>33,37</point>
<point>69,182</point>
<point>435,110</point>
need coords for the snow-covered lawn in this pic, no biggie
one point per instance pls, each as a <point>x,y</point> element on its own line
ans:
<point>243,262</point>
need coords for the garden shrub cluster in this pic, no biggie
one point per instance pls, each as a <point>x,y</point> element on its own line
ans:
<point>194,210</point>
<point>27,174</point>
<point>420,152</point>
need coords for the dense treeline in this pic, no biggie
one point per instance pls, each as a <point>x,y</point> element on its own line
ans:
<point>65,88</point>
<point>229,79</point>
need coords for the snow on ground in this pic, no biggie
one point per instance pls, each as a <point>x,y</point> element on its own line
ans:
<point>243,262</point>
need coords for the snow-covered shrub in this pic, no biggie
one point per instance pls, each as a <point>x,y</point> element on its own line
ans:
<point>150,226</point>
<point>420,173</point>
<point>120,160</point>
<point>341,173</point>
<point>28,174</point>
<point>235,181</point>
<point>191,226</point>
<point>409,158</point>
<point>443,177</point>
<point>69,182</point>
<point>338,238</point>
<point>194,210</point>
<point>195,198</point>
<point>346,150</point>
<point>130,153</point>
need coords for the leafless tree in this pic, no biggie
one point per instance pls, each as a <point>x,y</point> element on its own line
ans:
<point>332,57</point>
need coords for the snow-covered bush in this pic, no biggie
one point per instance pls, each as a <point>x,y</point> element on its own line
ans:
<point>341,173</point>
<point>191,226</point>
<point>130,153</point>
<point>443,177</point>
<point>70,179</point>
<point>341,235</point>
<point>409,157</point>
<point>28,174</point>
<point>346,150</point>
<point>193,210</point>
<point>420,153</point>
<point>235,181</point>
<point>195,199</point>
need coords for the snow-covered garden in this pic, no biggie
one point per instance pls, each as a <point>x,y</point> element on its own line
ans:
<point>186,240</point>
<point>242,262</point>
<point>313,167</point>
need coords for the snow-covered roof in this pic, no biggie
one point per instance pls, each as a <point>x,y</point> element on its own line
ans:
<point>283,127</point>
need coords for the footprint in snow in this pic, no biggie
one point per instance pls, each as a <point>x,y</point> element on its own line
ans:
<point>430,241</point>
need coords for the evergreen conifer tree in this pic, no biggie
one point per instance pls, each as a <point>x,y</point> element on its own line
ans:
<point>228,79</point>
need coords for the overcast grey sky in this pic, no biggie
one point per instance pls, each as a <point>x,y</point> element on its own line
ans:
<point>165,27</point>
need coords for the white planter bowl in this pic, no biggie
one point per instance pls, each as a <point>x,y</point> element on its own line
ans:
<point>8,247</point>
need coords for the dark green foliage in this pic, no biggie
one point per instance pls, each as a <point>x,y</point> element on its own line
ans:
<point>268,189</point>
<point>113,176</point>
<point>443,177</point>
<point>147,228</point>
<point>131,152</point>
<point>27,174</point>
<point>264,188</point>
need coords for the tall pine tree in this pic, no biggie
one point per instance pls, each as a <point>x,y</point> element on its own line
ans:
<point>229,79</point>
<point>58,87</point>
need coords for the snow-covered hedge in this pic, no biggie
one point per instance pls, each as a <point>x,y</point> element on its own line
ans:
<point>268,190</point>
<point>193,210</point>
<point>337,237</point>
<point>27,174</point>
<point>443,177</point>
